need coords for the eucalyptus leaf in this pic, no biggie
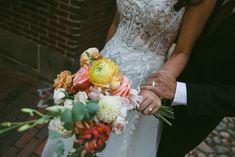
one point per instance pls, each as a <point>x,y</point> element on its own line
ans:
<point>92,107</point>
<point>67,116</point>
<point>87,116</point>
<point>68,125</point>
<point>79,111</point>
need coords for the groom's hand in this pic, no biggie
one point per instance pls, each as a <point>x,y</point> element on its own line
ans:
<point>165,85</point>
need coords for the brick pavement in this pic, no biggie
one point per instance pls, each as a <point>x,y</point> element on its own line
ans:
<point>18,91</point>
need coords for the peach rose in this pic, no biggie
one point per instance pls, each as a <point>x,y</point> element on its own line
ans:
<point>81,79</point>
<point>116,81</point>
<point>123,89</point>
<point>89,56</point>
<point>63,80</point>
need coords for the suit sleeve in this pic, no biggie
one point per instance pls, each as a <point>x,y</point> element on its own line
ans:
<point>209,100</point>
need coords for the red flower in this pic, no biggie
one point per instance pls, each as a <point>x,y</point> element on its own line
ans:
<point>95,137</point>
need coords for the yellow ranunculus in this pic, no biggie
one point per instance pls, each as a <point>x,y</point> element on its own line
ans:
<point>102,72</point>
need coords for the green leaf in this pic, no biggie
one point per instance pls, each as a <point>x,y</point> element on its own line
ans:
<point>59,148</point>
<point>79,111</point>
<point>6,124</point>
<point>28,110</point>
<point>55,109</point>
<point>66,116</point>
<point>24,127</point>
<point>43,120</point>
<point>92,107</point>
<point>53,134</point>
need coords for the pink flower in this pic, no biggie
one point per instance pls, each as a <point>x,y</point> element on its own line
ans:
<point>123,89</point>
<point>81,79</point>
<point>89,56</point>
<point>95,93</point>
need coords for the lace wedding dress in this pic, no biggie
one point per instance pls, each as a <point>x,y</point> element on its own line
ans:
<point>145,33</point>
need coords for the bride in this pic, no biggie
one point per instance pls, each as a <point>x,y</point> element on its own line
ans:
<point>140,37</point>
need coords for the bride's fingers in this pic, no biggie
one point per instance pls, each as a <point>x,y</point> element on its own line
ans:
<point>144,105</point>
<point>148,110</point>
<point>157,107</point>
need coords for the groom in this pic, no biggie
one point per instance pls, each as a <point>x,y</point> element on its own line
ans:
<point>209,92</point>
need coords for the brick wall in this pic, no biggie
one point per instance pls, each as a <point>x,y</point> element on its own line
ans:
<point>66,27</point>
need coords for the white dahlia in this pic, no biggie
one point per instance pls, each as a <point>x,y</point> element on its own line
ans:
<point>109,108</point>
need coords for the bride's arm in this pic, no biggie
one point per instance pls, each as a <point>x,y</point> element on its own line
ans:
<point>193,23</point>
<point>113,27</point>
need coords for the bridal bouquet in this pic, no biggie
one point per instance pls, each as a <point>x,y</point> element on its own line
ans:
<point>89,104</point>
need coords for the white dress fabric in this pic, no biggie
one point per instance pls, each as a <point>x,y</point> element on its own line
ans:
<point>146,31</point>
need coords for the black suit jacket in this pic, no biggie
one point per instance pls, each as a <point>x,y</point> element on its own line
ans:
<point>210,73</point>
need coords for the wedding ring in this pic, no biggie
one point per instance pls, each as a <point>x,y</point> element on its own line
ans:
<point>154,84</point>
<point>150,109</point>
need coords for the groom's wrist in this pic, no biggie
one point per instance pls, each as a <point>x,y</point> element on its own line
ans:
<point>180,97</point>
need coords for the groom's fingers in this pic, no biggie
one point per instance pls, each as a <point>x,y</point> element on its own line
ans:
<point>153,89</point>
<point>149,82</point>
<point>157,74</point>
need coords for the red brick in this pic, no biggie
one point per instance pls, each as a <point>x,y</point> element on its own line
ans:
<point>48,40</point>
<point>39,4</point>
<point>11,152</point>
<point>69,8</point>
<point>39,149</point>
<point>58,12</point>
<point>25,138</point>
<point>57,25</point>
<point>29,148</point>
<point>48,14</point>
<point>65,19</point>
<point>57,37</point>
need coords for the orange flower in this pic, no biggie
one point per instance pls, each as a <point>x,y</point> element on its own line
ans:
<point>63,80</point>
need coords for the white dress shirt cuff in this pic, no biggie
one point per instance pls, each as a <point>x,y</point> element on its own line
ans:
<point>180,95</point>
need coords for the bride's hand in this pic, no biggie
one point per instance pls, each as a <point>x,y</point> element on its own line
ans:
<point>151,102</point>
